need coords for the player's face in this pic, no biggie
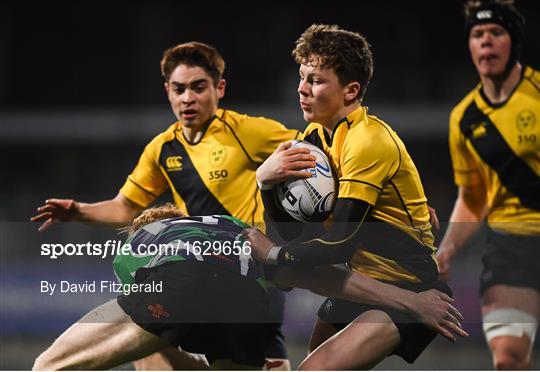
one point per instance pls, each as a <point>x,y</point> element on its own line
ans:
<point>490,47</point>
<point>322,96</point>
<point>194,98</point>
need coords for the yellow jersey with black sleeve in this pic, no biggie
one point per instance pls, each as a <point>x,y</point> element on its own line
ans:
<point>216,175</point>
<point>497,147</point>
<point>373,165</point>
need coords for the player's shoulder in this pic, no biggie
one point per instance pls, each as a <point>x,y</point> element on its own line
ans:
<point>166,136</point>
<point>240,121</point>
<point>372,137</point>
<point>374,124</point>
<point>377,130</point>
<point>532,76</point>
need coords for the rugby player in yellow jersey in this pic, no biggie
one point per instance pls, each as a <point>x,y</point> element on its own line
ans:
<point>495,148</point>
<point>381,222</point>
<point>207,158</point>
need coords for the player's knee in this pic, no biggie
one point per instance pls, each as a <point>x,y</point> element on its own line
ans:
<point>510,360</point>
<point>510,333</point>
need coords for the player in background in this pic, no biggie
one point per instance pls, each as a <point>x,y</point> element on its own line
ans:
<point>495,147</point>
<point>379,186</point>
<point>207,159</point>
<point>227,316</point>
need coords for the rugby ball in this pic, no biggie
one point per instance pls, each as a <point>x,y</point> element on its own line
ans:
<point>309,199</point>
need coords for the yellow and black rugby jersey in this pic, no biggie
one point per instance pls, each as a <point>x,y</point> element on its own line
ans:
<point>213,176</point>
<point>373,165</point>
<point>498,147</point>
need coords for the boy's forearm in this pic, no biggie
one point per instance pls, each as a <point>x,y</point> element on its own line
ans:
<point>114,212</point>
<point>335,282</point>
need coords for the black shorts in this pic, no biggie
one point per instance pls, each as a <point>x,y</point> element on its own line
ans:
<point>204,309</point>
<point>415,337</point>
<point>512,260</point>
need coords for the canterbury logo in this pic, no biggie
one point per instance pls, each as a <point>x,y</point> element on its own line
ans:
<point>174,163</point>
<point>484,14</point>
<point>479,130</point>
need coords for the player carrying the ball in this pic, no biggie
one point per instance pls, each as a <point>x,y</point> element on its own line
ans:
<point>381,222</point>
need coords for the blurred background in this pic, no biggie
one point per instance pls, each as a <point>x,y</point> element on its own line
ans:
<point>81,95</point>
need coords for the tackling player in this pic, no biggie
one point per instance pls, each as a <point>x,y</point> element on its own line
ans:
<point>207,158</point>
<point>379,186</point>
<point>213,303</point>
<point>495,148</point>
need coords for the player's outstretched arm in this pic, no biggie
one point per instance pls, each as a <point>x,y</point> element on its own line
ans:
<point>115,212</point>
<point>432,308</point>
<point>469,211</point>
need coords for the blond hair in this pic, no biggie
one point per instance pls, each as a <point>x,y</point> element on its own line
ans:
<point>150,215</point>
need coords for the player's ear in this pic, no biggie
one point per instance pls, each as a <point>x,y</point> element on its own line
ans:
<point>221,88</point>
<point>352,91</point>
<point>167,87</point>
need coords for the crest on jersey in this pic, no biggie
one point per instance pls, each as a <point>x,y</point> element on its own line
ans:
<point>525,121</point>
<point>217,156</point>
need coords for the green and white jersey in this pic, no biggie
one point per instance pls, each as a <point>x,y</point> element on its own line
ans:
<point>214,240</point>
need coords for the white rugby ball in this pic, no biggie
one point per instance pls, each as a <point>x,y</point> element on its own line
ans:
<point>309,199</point>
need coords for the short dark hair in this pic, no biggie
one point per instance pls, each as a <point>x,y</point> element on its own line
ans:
<point>193,53</point>
<point>346,52</point>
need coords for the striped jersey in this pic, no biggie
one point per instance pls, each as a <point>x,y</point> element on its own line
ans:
<point>214,240</point>
<point>497,147</point>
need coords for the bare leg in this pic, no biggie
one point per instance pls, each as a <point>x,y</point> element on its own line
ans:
<point>361,345</point>
<point>104,338</point>
<point>511,352</point>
